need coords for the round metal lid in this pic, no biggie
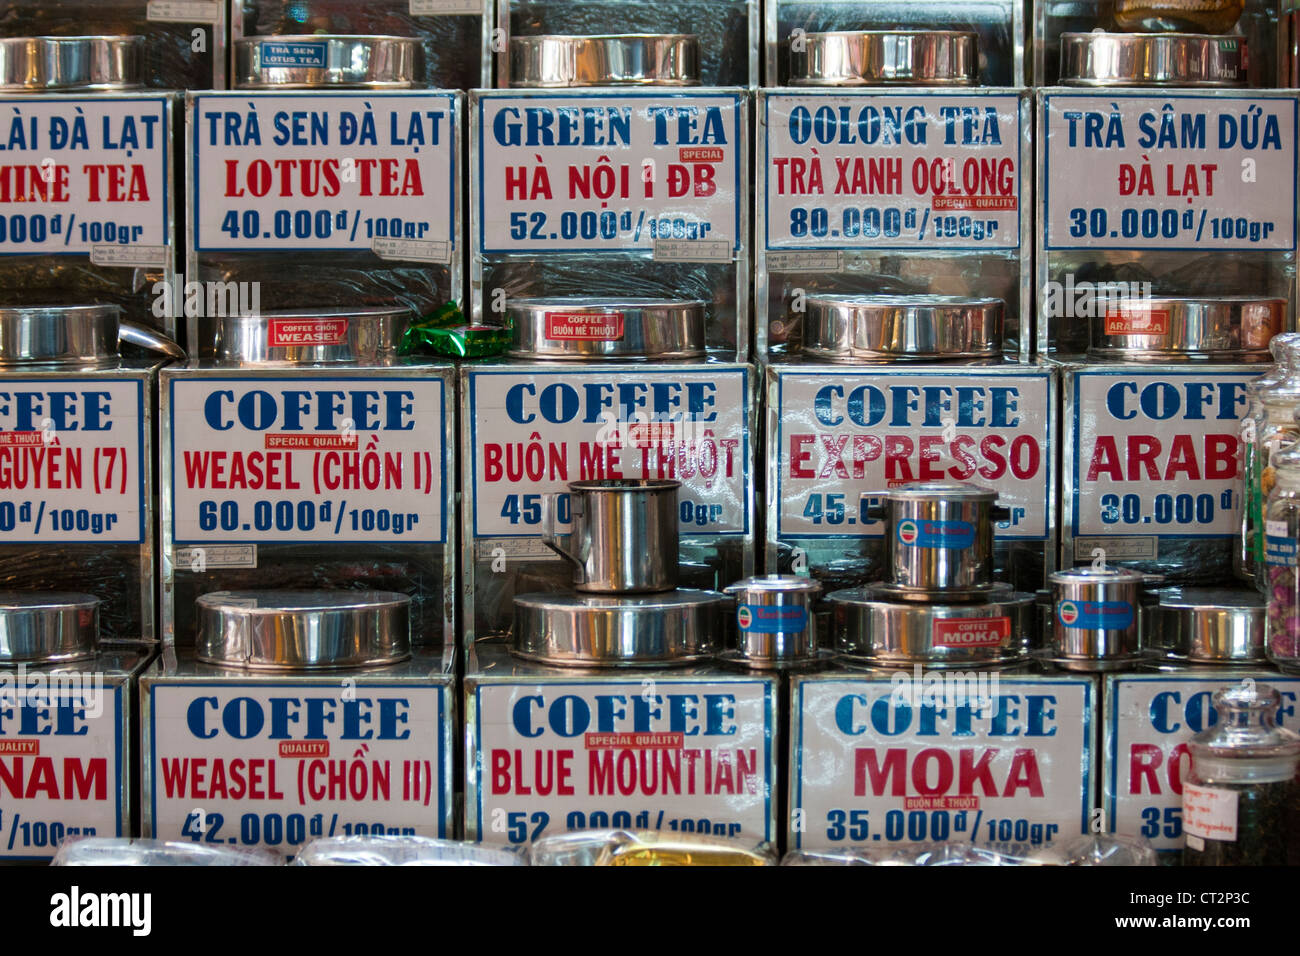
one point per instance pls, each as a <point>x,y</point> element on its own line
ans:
<point>884,57</point>
<point>1222,327</point>
<point>938,490</point>
<point>1091,575</point>
<point>586,329</point>
<point>1214,625</point>
<point>631,59</point>
<point>313,337</point>
<point>303,630</point>
<point>1152,59</point>
<point>776,584</point>
<point>47,627</point>
<point>592,630</point>
<point>84,64</point>
<point>73,335</point>
<point>402,851</point>
<point>846,328</point>
<point>336,61</point>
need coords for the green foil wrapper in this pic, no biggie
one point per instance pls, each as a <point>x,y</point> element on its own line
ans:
<point>444,332</point>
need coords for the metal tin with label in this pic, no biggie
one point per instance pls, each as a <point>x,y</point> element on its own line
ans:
<point>939,537</point>
<point>645,59</point>
<point>322,60</point>
<point>388,850</point>
<point>86,64</point>
<point>73,335</point>
<point>1152,59</point>
<point>879,328</point>
<point>1164,329</point>
<point>1096,620</point>
<point>587,329</point>
<point>883,57</point>
<point>134,851</point>
<point>776,620</point>
<point>1213,626</point>
<point>312,337</point>
<point>47,627</point>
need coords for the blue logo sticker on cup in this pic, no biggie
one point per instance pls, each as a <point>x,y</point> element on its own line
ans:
<point>761,619</point>
<point>1095,615</point>
<point>279,53</point>
<point>1280,552</point>
<point>957,535</point>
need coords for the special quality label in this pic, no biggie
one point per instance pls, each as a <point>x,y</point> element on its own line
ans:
<point>1169,171</point>
<point>72,461</point>
<point>323,170</point>
<point>980,759</point>
<point>1149,720</point>
<point>876,170</point>
<point>276,765</point>
<point>331,458</point>
<point>1156,453</point>
<point>81,172</point>
<point>598,171</point>
<point>840,433</point>
<point>943,535</point>
<point>1095,615</point>
<point>533,432</point>
<point>769,619</point>
<point>674,755</point>
<point>62,760</point>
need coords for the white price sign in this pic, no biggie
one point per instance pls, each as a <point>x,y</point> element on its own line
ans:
<point>600,171</point>
<point>84,172</point>
<point>885,170</point>
<point>336,459</point>
<point>1169,171</point>
<point>534,432</point>
<point>322,171</point>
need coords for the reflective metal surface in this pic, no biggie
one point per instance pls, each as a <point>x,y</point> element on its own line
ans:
<point>73,335</point>
<point>328,60</point>
<point>939,537</point>
<point>884,57</point>
<point>586,329</point>
<point>647,848</point>
<point>134,851</point>
<point>71,64</point>
<point>1213,626</point>
<point>303,630</point>
<point>1096,614</point>
<point>402,851</point>
<point>1194,16</point>
<point>623,534</point>
<point>47,627</point>
<point>635,59</point>
<point>776,619</point>
<point>1227,328</point>
<point>876,328</point>
<point>313,337</point>
<point>1152,59</point>
<point>602,630</point>
<point>870,626</point>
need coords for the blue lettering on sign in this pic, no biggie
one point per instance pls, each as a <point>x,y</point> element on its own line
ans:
<point>692,715</point>
<point>1280,552</point>
<point>28,717</point>
<point>322,410</point>
<point>1013,715</point>
<point>936,534</point>
<point>761,619</point>
<point>1189,400</point>
<point>596,402</point>
<point>276,53</point>
<point>25,411</point>
<point>1197,713</point>
<point>1095,615</point>
<point>926,406</point>
<point>298,718</point>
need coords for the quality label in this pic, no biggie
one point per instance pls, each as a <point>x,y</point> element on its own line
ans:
<point>323,171</point>
<point>684,756</point>
<point>1149,721</point>
<point>586,172</point>
<point>84,172</point>
<point>1137,322</point>
<point>965,632</point>
<point>1156,454</point>
<point>338,459</point>
<point>606,327</point>
<point>278,765</point>
<point>61,760</point>
<point>968,758</point>
<point>72,461</point>
<point>539,430</point>
<point>879,170</point>
<point>841,434</point>
<point>1169,171</point>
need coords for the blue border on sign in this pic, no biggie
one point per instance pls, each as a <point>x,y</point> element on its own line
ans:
<point>1026,371</point>
<point>474,375</point>
<point>1122,531</point>
<point>442,462</point>
<point>872,94</point>
<point>663,95</point>
<point>1104,94</point>
<point>452,147</point>
<point>166,134</point>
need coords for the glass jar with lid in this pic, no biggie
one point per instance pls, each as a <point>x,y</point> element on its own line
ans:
<point>1286,355</point>
<point>1277,429</point>
<point>1282,559</point>
<point>1241,799</point>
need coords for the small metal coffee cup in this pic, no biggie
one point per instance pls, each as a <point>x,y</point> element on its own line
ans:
<point>776,622</point>
<point>1096,617</point>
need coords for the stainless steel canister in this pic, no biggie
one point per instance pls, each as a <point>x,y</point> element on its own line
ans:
<point>881,328</point>
<point>631,59</point>
<point>776,621</point>
<point>1213,626</point>
<point>885,57</point>
<point>871,626</point>
<point>73,335</point>
<point>133,851</point>
<point>939,538</point>
<point>608,630</point>
<point>1226,328</point>
<point>47,627</point>
<point>403,850</point>
<point>587,329</point>
<point>623,536</point>
<point>85,64</point>
<point>303,630</point>
<point>1096,621</point>
<point>289,62</point>
<point>313,337</point>
<point>1152,59</point>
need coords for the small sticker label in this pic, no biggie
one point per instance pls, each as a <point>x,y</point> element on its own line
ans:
<point>1095,615</point>
<point>971,632</point>
<point>134,257</point>
<point>814,260</point>
<point>1277,529</point>
<point>212,557</point>
<point>693,250</point>
<point>279,53</point>
<point>765,619</point>
<point>184,11</point>
<point>1137,322</point>
<point>442,8</point>
<point>1118,548</point>
<point>953,535</point>
<point>412,250</point>
<point>1280,552</point>
<point>1209,814</point>
<point>606,327</point>
<point>289,332</point>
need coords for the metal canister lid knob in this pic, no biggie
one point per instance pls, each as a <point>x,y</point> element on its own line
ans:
<point>874,328</point>
<point>313,337</point>
<point>337,61</point>
<point>1213,626</point>
<point>1152,59</point>
<point>885,57</point>
<point>586,329</point>
<point>303,630</point>
<point>84,64</point>
<point>552,61</point>
<point>47,627</point>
